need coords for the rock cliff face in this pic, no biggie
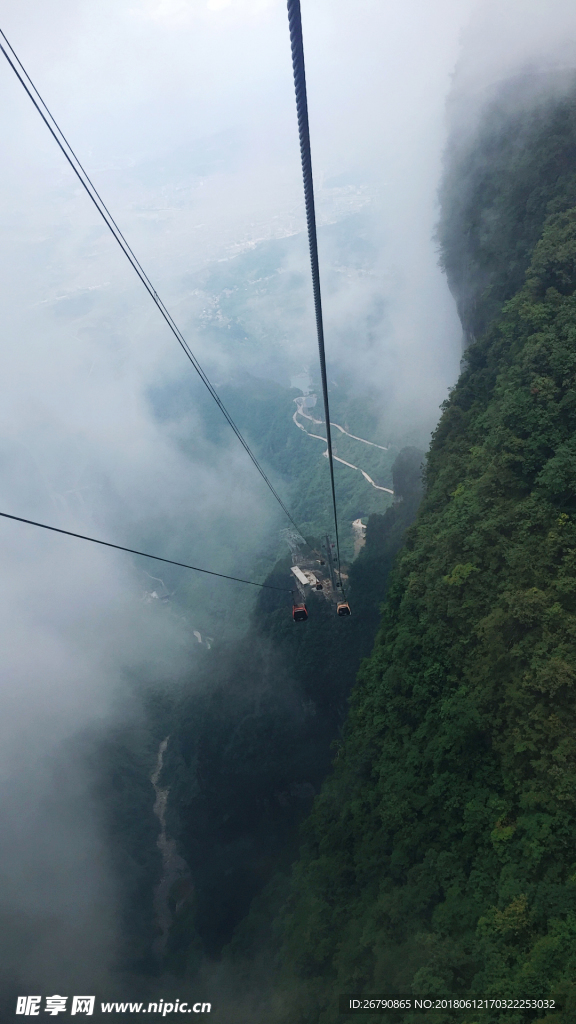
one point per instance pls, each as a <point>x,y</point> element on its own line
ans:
<point>500,184</point>
<point>440,856</point>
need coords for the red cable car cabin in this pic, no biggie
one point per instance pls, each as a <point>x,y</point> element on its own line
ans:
<point>343,608</point>
<point>299,613</point>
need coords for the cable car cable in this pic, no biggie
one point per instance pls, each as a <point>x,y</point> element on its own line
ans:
<point>90,189</point>
<point>144,554</point>
<point>295,24</point>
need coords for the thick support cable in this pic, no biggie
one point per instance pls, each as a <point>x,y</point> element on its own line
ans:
<point>143,554</point>
<point>84,179</point>
<point>295,23</point>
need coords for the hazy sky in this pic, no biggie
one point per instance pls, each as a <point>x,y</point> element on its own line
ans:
<point>183,112</point>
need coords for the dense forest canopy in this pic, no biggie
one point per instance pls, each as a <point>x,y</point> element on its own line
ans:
<point>439,857</point>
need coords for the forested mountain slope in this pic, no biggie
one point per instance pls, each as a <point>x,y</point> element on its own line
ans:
<point>250,744</point>
<point>440,857</point>
<point>499,186</point>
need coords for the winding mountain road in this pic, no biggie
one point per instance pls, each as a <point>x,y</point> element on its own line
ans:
<point>299,404</point>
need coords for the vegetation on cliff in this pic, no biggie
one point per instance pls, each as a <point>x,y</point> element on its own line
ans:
<point>440,856</point>
<point>499,187</point>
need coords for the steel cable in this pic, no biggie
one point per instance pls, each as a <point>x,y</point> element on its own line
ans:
<point>59,137</point>
<point>143,554</point>
<point>295,23</point>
